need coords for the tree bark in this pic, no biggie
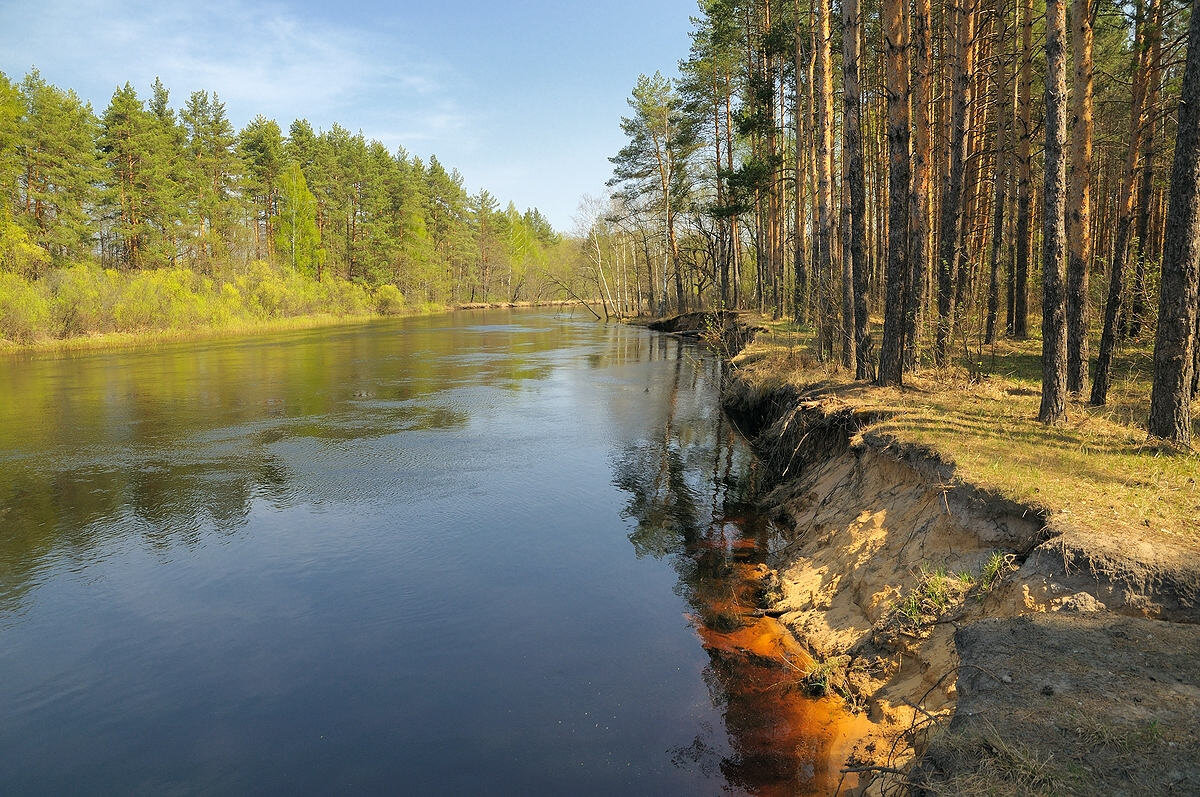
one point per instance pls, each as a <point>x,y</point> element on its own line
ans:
<point>952,195</point>
<point>1170,397</point>
<point>1114,306</point>
<point>824,151</point>
<point>1054,322</point>
<point>891,350</point>
<point>922,156</point>
<point>855,231</point>
<point>1025,179</point>
<point>1145,193</point>
<point>1079,197</point>
<point>1001,187</point>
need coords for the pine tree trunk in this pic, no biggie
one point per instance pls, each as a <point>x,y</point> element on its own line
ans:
<point>953,193</point>
<point>1145,194</point>
<point>922,156</point>
<point>1079,198</point>
<point>1001,187</point>
<point>800,285</point>
<point>891,351</point>
<point>1114,306</point>
<point>1025,179</point>
<point>1054,322</point>
<point>855,230</point>
<point>1170,397</point>
<point>824,151</point>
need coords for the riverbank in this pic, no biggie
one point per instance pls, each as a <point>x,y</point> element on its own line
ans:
<point>1013,608</point>
<point>157,337</point>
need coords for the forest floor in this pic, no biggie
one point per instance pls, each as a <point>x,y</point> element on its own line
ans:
<point>1097,470</point>
<point>1015,608</point>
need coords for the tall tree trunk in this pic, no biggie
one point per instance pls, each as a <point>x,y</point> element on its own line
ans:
<point>824,150</point>
<point>855,230</point>
<point>1054,322</point>
<point>1170,397</point>
<point>800,285</point>
<point>1079,197</point>
<point>1025,179</point>
<point>922,156</point>
<point>952,196</point>
<point>1001,187</point>
<point>891,350</point>
<point>1113,307</point>
<point>1145,193</point>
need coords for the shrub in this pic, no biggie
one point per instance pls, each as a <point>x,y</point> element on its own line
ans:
<point>24,311</point>
<point>388,300</point>
<point>82,301</point>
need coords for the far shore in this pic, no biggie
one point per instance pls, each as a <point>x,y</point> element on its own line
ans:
<point>149,338</point>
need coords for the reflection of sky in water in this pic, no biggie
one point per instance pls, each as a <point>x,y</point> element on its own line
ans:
<point>392,556</point>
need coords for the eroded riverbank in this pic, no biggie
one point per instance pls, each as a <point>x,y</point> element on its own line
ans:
<point>992,646</point>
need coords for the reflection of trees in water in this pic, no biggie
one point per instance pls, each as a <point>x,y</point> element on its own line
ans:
<point>172,446</point>
<point>688,484</point>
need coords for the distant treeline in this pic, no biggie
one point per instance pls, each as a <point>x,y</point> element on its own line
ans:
<point>100,204</point>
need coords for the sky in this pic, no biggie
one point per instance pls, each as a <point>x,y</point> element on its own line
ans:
<point>523,97</point>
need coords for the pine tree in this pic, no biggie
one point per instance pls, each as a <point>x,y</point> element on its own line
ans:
<point>297,241</point>
<point>661,138</point>
<point>891,351</point>
<point>260,146</point>
<point>211,177</point>
<point>59,168</point>
<point>1054,307</point>
<point>127,141</point>
<point>1170,398</point>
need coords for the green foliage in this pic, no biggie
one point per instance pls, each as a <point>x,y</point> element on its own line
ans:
<point>58,168</point>
<point>297,240</point>
<point>18,253</point>
<point>81,299</point>
<point>199,225</point>
<point>388,300</point>
<point>85,299</point>
<point>24,311</point>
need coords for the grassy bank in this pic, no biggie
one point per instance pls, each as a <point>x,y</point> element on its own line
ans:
<point>86,307</point>
<point>1097,472</point>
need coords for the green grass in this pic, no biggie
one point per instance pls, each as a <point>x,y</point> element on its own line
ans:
<point>1097,471</point>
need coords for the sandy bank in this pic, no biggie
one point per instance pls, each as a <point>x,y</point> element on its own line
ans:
<point>993,646</point>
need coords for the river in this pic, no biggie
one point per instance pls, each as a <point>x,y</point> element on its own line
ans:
<point>482,552</point>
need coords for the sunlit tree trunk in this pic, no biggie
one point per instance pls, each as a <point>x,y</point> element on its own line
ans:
<point>1054,322</point>
<point>891,352</point>
<point>1025,178</point>
<point>922,156</point>
<point>1113,307</point>
<point>855,231</point>
<point>1079,197</point>
<point>1171,394</point>
<point>824,153</point>
<point>953,193</point>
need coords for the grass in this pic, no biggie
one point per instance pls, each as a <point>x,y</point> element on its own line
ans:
<point>936,592</point>
<point>1097,471</point>
<point>156,337</point>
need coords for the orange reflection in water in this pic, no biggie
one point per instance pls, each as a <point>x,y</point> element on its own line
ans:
<point>786,742</point>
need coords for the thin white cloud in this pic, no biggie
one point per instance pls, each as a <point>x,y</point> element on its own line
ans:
<point>260,58</point>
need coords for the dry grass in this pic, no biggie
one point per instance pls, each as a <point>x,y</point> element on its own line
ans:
<point>1096,472</point>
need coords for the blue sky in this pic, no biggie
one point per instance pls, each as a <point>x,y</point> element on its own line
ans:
<point>523,98</point>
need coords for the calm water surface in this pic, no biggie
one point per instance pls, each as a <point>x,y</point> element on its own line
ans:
<point>471,553</point>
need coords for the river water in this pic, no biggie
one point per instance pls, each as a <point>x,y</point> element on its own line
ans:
<point>485,552</point>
